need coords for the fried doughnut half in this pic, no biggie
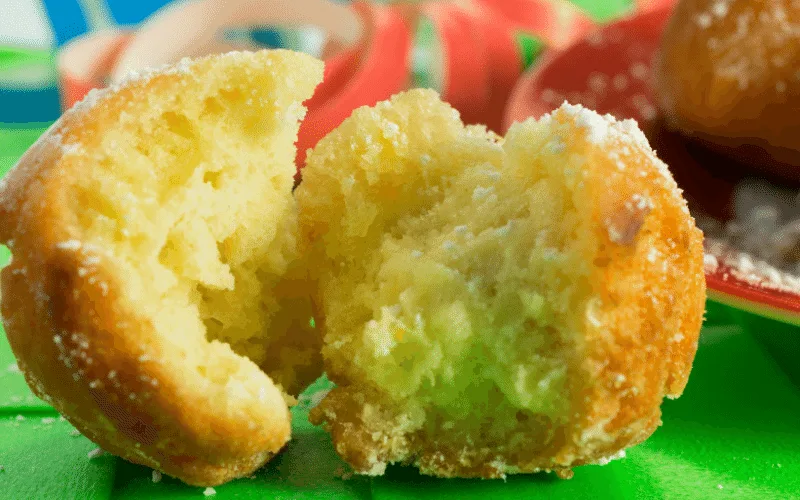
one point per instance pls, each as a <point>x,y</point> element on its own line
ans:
<point>494,306</point>
<point>153,296</point>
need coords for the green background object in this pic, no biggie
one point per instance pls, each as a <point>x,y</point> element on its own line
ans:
<point>735,433</point>
<point>605,10</point>
<point>530,47</point>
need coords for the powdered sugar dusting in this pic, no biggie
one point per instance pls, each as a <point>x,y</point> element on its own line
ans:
<point>765,232</point>
<point>603,130</point>
<point>73,245</point>
<point>726,261</point>
<point>757,30</point>
<point>710,263</point>
<point>71,149</point>
<point>606,460</point>
<point>95,96</point>
<point>600,129</point>
<point>182,67</point>
<point>595,125</point>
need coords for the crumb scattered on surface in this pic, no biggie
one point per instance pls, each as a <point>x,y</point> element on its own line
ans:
<point>209,492</point>
<point>97,452</point>
<point>564,473</point>
<point>609,459</point>
<point>156,476</point>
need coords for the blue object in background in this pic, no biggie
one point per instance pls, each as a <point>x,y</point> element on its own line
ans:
<point>128,12</point>
<point>67,19</point>
<point>29,106</point>
<point>71,18</point>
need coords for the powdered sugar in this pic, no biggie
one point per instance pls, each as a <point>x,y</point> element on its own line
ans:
<point>710,263</point>
<point>755,31</point>
<point>95,96</point>
<point>764,235</point>
<point>71,149</point>
<point>726,261</point>
<point>603,129</point>
<point>73,245</point>
<point>595,125</point>
<point>606,460</point>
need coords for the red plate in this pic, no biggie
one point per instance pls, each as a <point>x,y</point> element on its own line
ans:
<point>382,68</point>
<point>558,22</point>
<point>610,71</point>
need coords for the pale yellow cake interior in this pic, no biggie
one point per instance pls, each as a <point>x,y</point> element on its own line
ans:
<point>455,268</point>
<point>189,192</point>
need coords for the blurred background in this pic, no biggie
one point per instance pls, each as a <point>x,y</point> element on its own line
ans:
<point>34,34</point>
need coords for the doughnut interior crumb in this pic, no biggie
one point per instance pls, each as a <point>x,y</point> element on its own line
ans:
<point>190,195</point>
<point>157,297</point>
<point>462,293</point>
<point>470,287</point>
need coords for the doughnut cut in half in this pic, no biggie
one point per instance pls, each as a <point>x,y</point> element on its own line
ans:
<point>493,306</point>
<point>153,297</point>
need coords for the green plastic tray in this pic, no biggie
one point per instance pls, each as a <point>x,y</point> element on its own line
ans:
<point>735,433</point>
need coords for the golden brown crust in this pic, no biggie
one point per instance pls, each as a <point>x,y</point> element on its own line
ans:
<point>726,74</point>
<point>638,346</point>
<point>87,350</point>
<point>67,333</point>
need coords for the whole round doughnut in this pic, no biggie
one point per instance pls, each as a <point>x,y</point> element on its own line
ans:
<point>153,297</point>
<point>493,306</point>
<point>727,74</point>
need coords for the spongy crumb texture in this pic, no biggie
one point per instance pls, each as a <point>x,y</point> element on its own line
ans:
<point>493,305</point>
<point>162,217</point>
<point>193,195</point>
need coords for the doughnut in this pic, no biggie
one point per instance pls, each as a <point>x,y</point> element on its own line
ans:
<point>494,305</point>
<point>156,297</point>
<point>727,75</point>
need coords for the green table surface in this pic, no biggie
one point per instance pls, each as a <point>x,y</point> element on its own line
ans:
<point>735,433</point>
